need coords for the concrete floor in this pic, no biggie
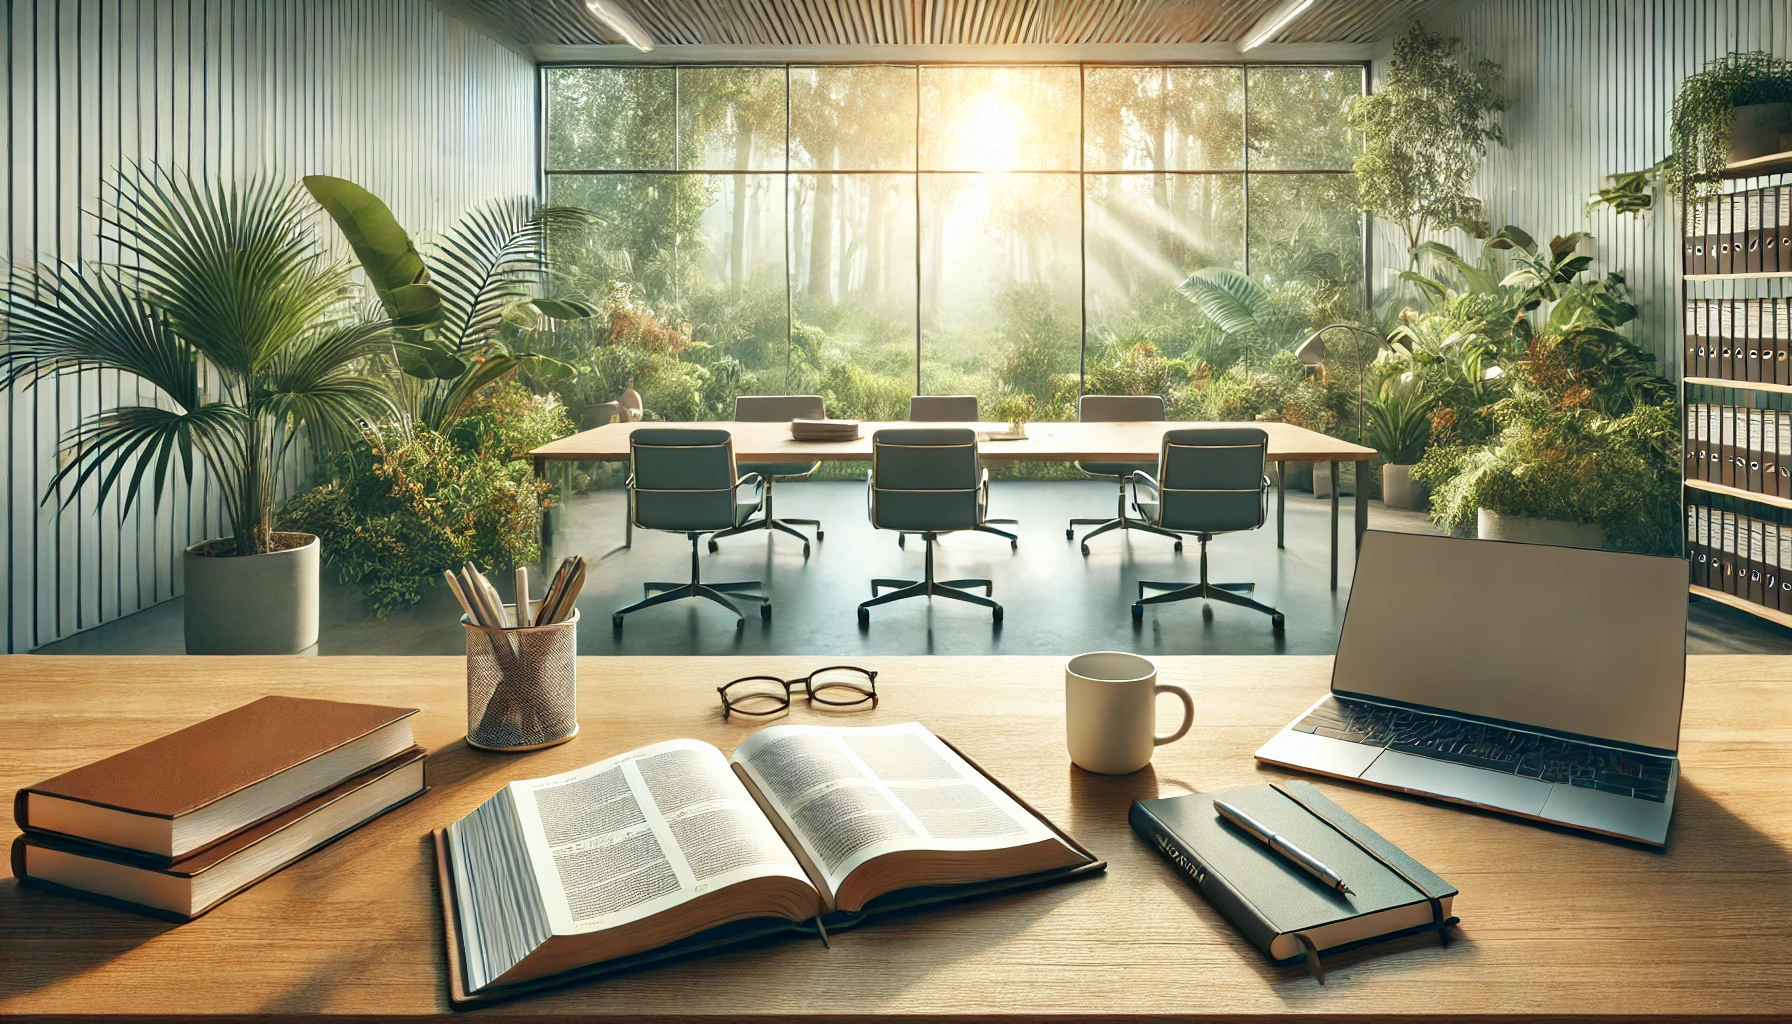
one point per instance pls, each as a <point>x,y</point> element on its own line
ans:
<point>1055,600</point>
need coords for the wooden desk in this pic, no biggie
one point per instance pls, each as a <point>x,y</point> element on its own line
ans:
<point>1045,442</point>
<point>1553,923</point>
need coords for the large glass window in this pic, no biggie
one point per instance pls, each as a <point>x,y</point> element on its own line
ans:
<point>870,231</point>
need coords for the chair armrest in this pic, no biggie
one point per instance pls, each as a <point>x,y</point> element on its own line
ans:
<point>1134,478</point>
<point>982,493</point>
<point>755,481</point>
<point>870,500</point>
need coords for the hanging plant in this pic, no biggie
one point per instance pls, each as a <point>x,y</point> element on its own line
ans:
<point>1705,109</point>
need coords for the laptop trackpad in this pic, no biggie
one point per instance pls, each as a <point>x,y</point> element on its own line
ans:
<point>1458,782</point>
<point>1608,812</point>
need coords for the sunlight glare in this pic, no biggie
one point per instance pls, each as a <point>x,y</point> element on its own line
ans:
<point>990,134</point>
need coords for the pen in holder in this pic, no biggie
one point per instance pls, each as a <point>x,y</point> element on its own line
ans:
<point>522,685</point>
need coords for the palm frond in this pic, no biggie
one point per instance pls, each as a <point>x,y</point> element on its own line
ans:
<point>1235,303</point>
<point>230,267</point>
<point>135,435</point>
<point>319,385</point>
<point>492,259</point>
<point>67,319</point>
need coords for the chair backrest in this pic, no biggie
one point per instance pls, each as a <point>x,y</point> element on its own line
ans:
<point>1211,479</point>
<point>778,408</point>
<point>943,409</point>
<point>681,480</point>
<point>925,479</point>
<point>1120,408</point>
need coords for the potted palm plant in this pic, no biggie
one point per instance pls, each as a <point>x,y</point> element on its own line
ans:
<point>249,335</point>
<point>1399,421</point>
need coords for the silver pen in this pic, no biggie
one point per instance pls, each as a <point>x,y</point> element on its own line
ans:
<point>1301,858</point>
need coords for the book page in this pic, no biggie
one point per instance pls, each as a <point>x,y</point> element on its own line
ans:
<point>851,794</point>
<point>627,838</point>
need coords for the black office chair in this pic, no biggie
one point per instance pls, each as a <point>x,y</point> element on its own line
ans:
<point>776,409</point>
<point>927,481</point>
<point>684,481</point>
<point>1209,481</point>
<point>953,409</point>
<point>1117,409</point>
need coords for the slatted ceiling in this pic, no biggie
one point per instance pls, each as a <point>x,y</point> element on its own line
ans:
<point>429,114</point>
<point>943,22</point>
<point>1592,87</point>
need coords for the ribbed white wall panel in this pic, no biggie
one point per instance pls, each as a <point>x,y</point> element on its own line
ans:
<point>393,94</point>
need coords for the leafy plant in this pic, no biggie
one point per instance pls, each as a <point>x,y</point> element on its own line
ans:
<point>1399,419</point>
<point>1705,107</point>
<point>1016,410</point>
<point>1425,133</point>
<point>405,505</point>
<point>1633,192</point>
<point>458,306</point>
<point>228,291</point>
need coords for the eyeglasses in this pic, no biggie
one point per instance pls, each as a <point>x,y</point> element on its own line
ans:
<point>837,686</point>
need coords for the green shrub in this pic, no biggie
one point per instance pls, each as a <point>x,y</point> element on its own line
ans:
<point>402,507</point>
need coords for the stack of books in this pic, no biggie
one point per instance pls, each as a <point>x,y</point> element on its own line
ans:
<point>182,823</point>
<point>824,430</point>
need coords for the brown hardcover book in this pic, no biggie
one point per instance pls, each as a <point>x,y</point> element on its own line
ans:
<point>177,795</point>
<point>194,885</point>
<point>674,849</point>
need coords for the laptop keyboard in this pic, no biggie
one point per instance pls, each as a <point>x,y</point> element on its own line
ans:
<point>1524,754</point>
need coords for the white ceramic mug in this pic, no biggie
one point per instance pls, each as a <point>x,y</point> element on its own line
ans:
<point>1110,711</point>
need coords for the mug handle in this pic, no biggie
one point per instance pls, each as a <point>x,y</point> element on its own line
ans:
<point>1188,713</point>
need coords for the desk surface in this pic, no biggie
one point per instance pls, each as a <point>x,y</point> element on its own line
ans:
<point>1554,923</point>
<point>1045,442</point>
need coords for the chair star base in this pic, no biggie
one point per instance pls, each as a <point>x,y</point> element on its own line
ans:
<point>1121,521</point>
<point>1225,593</point>
<point>929,587</point>
<point>769,521</point>
<point>665,593</point>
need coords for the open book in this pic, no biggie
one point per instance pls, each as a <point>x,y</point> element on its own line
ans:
<point>674,848</point>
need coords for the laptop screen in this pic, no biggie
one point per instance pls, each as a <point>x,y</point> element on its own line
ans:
<point>1587,642</point>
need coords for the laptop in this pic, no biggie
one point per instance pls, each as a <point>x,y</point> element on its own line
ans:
<point>1537,681</point>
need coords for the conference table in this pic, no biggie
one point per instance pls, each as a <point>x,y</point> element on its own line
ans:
<point>1554,924</point>
<point>1045,442</point>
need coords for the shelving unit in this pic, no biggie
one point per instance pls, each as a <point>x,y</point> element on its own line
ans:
<point>1760,166</point>
<point>1774,168</point>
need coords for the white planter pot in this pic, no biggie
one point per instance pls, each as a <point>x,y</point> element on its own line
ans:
<point>252,604</point>
<point>1322,478</point>
<point>1530,530</point>
<point>1755,130</point>
<point>1397,488</point>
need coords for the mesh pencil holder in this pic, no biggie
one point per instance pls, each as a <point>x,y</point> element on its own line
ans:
<point>522,685</point>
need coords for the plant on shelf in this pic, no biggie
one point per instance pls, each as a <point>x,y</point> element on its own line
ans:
<point>458,309</point>
<point>250,338</point>
<point>1425,133</point>
<point>1706,129</point>
<point>404,505</point>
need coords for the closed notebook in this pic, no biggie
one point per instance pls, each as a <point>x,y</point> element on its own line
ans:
<point>195,884</point>
<point>177,795</point>
<point>1276,906</point>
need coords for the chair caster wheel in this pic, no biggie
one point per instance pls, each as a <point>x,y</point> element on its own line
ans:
<point>765,611</point>
<point>820,536</point>
<point>615,622</point>
<point>1085,550</point>
<point>1138,612</point>
<point>1178,545</point>
<point>864,616</point>
<point>805,549</point>
<point>714,547</point>
<point>1275,623</point>
<point>1070,534</point>
<point>995,614</point>
<point>902,541</point>
<point>1207,613</point>
<point>1014,545</point>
